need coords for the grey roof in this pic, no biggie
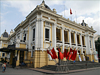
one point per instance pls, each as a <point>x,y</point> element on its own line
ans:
<point>5,34</point>
<point>47,6</point>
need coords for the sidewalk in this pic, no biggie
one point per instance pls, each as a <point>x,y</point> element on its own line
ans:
<point>54,72</point>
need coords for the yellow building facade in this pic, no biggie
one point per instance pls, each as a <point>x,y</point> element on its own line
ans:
<point>43,29</point>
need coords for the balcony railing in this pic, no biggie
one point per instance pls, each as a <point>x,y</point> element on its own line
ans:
<point>58,41</point>
<point>46,39</point>
<point>79,45</point>
<point>84,46</point>
<point>22,40</point>
<point>73,44</point>
<point>33,39</point>
<point>66,42</point>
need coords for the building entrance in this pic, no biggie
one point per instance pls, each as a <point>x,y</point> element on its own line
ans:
<point>21,56</point>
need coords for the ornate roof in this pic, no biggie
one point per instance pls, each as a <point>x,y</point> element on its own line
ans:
<point>5,34</point>
<point>44,5</point>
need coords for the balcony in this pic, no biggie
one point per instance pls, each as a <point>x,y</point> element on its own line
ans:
<point>46,39</point>
<point>79,45</point>
<point>73,44</point>
<point>84,46</point>
<point>66,42</point>
<point>58,41</point>
<point>22,40</point>
<point>33,39</point>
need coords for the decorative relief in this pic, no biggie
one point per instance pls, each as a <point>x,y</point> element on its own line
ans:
<point>52,19</point>
<point>58,23</point>
<point>45,17</point>
<point>47,24</point>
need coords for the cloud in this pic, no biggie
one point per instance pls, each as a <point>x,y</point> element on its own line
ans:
<point>95,23</point>
<point>87,10</point>
<point>25,7</point>
<point>83,7</point>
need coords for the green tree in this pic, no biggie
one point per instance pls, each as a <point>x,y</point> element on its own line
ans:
<point>97,45</point>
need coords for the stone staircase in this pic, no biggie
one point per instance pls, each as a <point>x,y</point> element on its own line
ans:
<point>73,66</point>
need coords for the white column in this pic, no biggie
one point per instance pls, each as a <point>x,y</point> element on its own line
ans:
<point>87,44</point>
<point>93,43</point>
<point>40,34</point>
<point>76,39</point>
<point>54,36</point>
<point>63,39</point>
<point>81,44</point>
<point>36,35</point>
<point>21,35</point>
<point>70,37</point>
<point>30,38</point>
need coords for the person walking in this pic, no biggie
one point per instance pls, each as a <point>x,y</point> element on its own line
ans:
<point>4,67</point>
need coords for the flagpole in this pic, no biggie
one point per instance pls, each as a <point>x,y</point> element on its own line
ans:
<point>76,16</point>
<point>64,10</point>
<point>71,14</point>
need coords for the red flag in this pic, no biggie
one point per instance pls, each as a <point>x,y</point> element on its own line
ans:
<point>73,55</point>
<point>54,54</point>
<point>68,53</point>
<point>70,56</point>
<point>60,54</point>
<point>50,53</point>
<point>70,50</point>
<point>70,11</point>
<point>65,53</point>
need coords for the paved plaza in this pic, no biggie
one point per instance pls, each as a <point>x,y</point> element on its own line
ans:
<point>11,71</point>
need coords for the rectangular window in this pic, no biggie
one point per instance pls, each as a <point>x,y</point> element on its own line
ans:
<point>72,38</point>
<point>33,34</point>
<point>3,54</point>
<point>90,43</point>
<point>33,48</point>
<point>58,34</point>
<point>66,36</point>
<point>24,37</point>
<point>46,34</point>
<point>78,40</point>
<point>83,41</point>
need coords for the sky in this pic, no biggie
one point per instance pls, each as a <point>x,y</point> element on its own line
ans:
<point>13,12</point>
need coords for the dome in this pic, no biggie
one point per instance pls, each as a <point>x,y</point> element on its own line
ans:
<point>5,34</point>
<point>46,6</point>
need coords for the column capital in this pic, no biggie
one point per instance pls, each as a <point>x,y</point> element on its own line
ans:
<point>72,31</point>
<point>76,32</point>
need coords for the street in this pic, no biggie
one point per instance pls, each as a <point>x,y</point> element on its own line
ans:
<point>11,71</point>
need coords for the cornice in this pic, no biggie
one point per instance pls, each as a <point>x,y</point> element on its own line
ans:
<point>11,36</point>
<point>59,18</point>
<point>32,12</point>
<point>3,39</point>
